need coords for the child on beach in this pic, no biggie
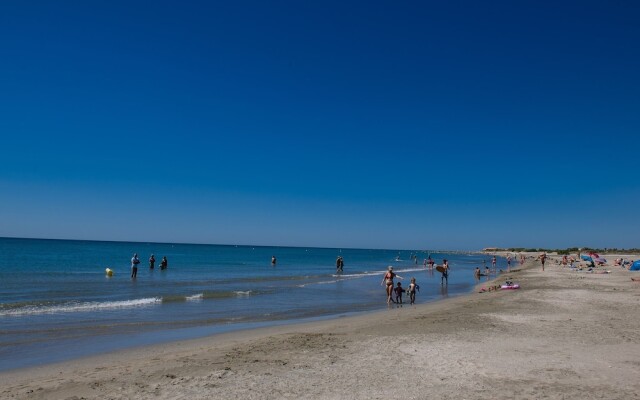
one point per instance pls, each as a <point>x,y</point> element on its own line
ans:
<point>399,290</point>
<point>412,290</point>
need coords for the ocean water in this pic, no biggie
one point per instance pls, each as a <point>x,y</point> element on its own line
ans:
<point>56,302</point>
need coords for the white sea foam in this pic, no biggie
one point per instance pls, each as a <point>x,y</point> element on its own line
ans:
<point>80,307</point>
<point>241,293</point>
<point>195,297</point>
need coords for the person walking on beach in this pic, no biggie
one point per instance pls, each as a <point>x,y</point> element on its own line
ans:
<point>445,273</point>
<point>399,290</point>
<point>412,291</point>
<point>476,273</point>
<point>152,262</point>
<point>164,263</point>
<point>430,262</point>
<point>542,258</point>
<point>134,265</point>
<point>388,281</point>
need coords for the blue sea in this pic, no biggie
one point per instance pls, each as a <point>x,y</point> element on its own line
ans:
<point>57,303</point>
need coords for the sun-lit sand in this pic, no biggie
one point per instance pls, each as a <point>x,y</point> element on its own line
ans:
<point>563,335</point>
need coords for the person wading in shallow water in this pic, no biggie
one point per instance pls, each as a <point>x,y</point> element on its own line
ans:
<point>164,263</point>
<point>445,273</point>
<point>388,281</point>
<point>339,264</point>
<point>134,265</point>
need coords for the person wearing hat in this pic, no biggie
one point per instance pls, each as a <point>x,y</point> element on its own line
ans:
<point>388,280</point>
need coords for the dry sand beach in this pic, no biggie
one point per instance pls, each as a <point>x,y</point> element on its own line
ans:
<point>563,335</point>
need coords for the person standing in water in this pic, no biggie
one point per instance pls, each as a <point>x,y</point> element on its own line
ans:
<point>388,281</point>
<point>164,263</point>
<point>152,262</point>
<point>134,265</point>
<point>273,260</point>
<point>412,291</point>
<point>399,290</point>
<point>339,264</point>
<point>445,272</point>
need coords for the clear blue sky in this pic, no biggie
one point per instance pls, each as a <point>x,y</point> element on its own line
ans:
<point>446,125</point>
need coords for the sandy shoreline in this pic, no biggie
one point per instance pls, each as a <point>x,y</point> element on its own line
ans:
<point>565,334</point>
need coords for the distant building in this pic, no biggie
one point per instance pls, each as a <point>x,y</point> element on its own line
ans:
<point>490,249</point>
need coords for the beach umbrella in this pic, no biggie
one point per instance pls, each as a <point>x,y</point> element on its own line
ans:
<point>586,258</point>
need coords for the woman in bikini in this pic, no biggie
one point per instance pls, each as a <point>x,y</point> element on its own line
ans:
<point>388,280</point>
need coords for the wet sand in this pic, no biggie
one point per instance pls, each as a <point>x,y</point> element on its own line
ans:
<point>563,335</point>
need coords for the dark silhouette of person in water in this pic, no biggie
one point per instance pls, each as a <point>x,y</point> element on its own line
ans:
<point>152,262</point>
<point>164,263</point>
<point>399,290</point>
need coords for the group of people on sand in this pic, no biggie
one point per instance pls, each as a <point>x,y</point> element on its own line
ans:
<point>398,290</point>
<point>152,263</point>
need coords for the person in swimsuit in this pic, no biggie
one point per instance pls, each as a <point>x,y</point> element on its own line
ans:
<point>164,263</point>
<point>509,263</point>
<point>542,257</point>
<point>399,290</point>
<point>388,281</point>
<point>493,263</point>
<point>273,260</point>
<point>152,262</point>
<point>412,291</point>
<point>445,273</point>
